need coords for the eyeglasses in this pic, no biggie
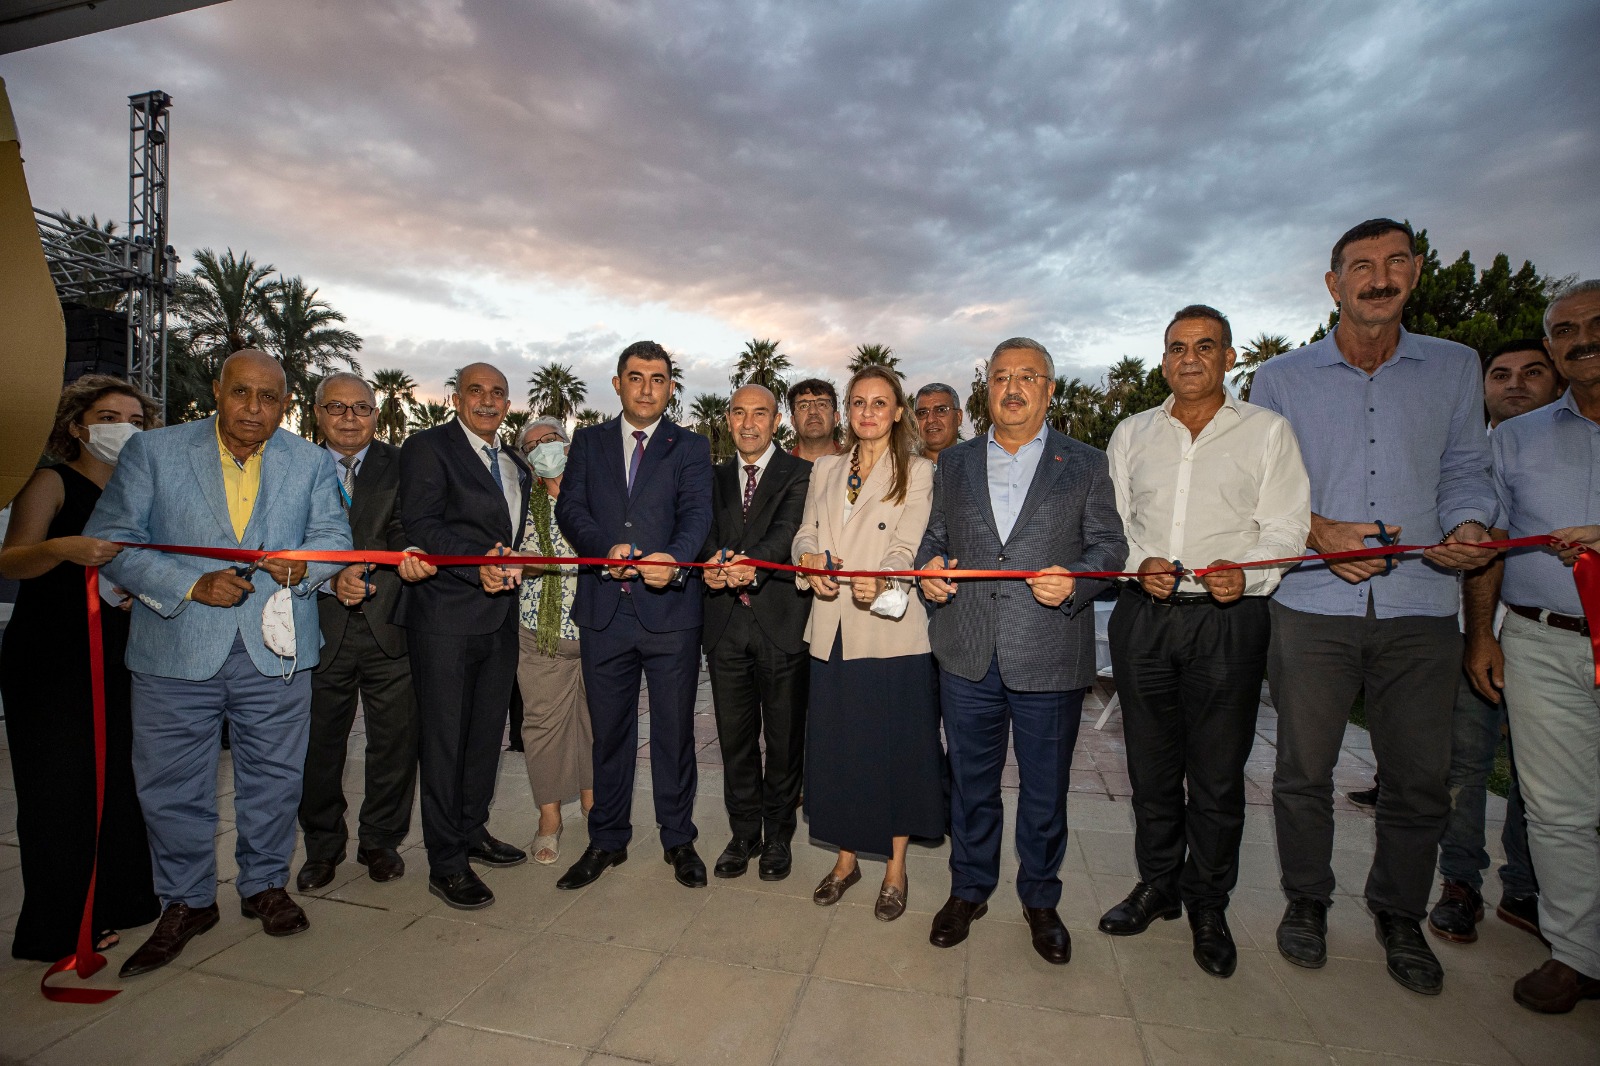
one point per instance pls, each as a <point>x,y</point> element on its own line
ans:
<point>1026,378</point>
<point>336,409</point>
<point>940,409</point>
<point>821,406</point>
<point>528,448</point>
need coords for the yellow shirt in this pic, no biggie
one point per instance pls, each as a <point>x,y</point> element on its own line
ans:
<point>241,484</point>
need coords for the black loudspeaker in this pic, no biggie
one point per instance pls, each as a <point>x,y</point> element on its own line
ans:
<point>97,342</point>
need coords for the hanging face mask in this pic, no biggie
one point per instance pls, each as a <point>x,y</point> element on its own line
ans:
<point>891,602</point>
<point>107,438</point>
<point>549,459</point>
<point>277,628</point>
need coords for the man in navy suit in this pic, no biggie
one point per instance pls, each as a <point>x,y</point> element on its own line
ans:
<point>638,487</point>
<point>463,493</point>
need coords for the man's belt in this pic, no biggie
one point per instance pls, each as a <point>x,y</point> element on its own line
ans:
<point>1570,623</point>
<point>1176,599</point>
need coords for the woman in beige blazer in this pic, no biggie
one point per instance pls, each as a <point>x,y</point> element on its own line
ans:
<point>873,757</point>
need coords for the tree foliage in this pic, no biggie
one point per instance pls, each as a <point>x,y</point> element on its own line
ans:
<point>876,355</point>
<point>761,364</point>
<point>396,391</point>
<point>708,416</point>
<point>555,391</point>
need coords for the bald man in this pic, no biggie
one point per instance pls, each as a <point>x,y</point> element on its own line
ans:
<point>463,493</point>
<point>206,648</point>
<point>754,636</point>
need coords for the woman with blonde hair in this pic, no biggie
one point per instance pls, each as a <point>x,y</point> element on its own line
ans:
<point>44,680</point>
<point>873,757</point>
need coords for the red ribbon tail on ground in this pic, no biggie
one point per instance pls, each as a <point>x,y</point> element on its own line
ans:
<point>86,961</point>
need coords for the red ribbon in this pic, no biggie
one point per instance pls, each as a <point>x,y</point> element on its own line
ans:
<point>86,961</point>
<point>1586,572</point>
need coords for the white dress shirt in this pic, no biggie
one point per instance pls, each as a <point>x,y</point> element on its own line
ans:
<point>510,475</point>
<point>1237,491</point>
<point>629,443</point>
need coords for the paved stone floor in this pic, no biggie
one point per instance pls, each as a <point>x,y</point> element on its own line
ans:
<point>638,969</point>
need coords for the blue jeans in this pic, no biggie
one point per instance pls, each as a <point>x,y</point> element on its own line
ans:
<point>177,737</point>
<point>1476,733</point>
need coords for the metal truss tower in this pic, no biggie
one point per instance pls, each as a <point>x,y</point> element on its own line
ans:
<point>136,271</point>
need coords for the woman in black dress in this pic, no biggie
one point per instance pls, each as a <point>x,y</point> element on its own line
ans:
<point>44,680</point>
<point>873,757</point>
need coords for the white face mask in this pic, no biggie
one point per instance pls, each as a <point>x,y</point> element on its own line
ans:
<point>549,459</point>
<point>107,438</point>
<point>277,627</point>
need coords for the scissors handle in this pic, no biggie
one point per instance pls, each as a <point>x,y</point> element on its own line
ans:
<point>1386,539</point>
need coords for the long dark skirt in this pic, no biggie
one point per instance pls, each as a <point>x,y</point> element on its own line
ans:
<point>873,757</point>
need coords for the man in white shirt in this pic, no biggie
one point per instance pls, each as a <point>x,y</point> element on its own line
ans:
<point>1212,481</point>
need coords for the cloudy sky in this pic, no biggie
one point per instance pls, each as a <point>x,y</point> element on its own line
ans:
<point>521,181</point>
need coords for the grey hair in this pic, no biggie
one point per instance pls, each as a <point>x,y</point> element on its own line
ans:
<point>345,375</point>
<point>1575,289</point>
<point>934,387</point>
<point>545,422</point>
<point>1026,344</point>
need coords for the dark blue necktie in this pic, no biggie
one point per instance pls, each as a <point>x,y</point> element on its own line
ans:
<point>494,466</point>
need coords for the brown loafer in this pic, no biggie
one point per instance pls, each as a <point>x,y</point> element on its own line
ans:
<point>891,902</point>
<point>383,864</point>
<point>1554,988</point>
<point>178,924</point>
<point>280,915</point>
<point>831,889</point>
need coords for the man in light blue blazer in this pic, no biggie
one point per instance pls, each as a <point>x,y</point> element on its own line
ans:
<point>198,650</point>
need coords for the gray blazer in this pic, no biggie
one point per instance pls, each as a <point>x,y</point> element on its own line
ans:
<point>1069,518</point>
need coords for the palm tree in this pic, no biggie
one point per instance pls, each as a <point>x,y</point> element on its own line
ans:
<point>1257,352</point>
<point>511,428</point>
<point>709,418</point>
<point>675,405</point>
<point>425,414</point>
<point>556,392</point>
<point>588,417</point>
<point>220,302</point>
<point>302,331</point>
<point>1124,379</point>
<point>761,364</point>
<point>395,390</point>
<point>978,401</point>
<point>876,355</point>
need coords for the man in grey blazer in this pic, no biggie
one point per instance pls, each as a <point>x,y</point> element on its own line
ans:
<point>1020,497</point>
<point>200,652</point>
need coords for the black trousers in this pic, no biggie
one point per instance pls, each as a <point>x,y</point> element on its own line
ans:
<point>361,670</point>
<point>1407,668</point>
<point>1189,677</point>
<point>759,692</point>
<point>463,685</point>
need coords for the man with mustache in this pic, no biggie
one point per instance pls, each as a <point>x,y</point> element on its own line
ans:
<point>462,493</point>
<point>814,408</point>
<point>1390,428</point>
<point>754,636</point>
<point>938,414</point>
<point>1517,378</point>
<point>1212,480</point>
<point>1544,474</point>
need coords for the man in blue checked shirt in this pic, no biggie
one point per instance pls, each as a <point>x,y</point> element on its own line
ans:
<point>1390,426</point>
<point>1547,477</point>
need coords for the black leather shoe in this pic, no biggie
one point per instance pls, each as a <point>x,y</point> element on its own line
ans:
<point>1050,938</point>
<point>316,873</point>
<point>1521,912</point>
<point>383,864</point>
<point>686,865</point>
<point>954,921</point>
<point>735,858</point>
<point>1133,915</point>
<point>1456,916</point>
<point>776,860</point>
<point>1411,960</point>
<point>1303,933</point>
<point>178,925</point>
<point>492,852</point>
<point>590,865</point>
<point>465,891</point>
<point>1213,942</point>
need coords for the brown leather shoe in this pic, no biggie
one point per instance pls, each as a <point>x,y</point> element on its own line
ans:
<point>831,889</point>
<point>1554,988</point>
<point>383,864</point>
<point>316,873</point>
<point>178,924</point>
<point>954,921</point>
<point>280,915</point>
<point>1050,937</point>
<point>891,902</point>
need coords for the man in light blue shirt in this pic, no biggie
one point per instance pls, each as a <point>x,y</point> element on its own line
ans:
<point>1390,426</point>
<point>1010,474</point>
<point>1547,478</point>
